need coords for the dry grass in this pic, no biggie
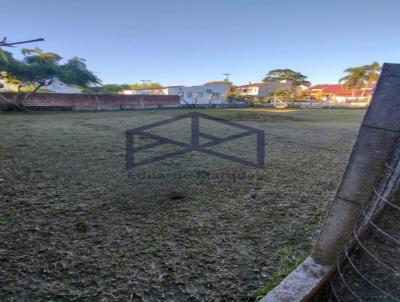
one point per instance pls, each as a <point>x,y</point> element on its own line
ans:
<point>74,227</point>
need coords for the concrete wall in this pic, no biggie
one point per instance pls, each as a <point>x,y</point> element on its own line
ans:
<point>96,101</point>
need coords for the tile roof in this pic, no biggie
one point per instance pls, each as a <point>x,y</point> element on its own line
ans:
<point>335,89</point>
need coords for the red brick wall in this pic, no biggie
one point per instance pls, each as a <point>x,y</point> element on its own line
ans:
<point>95,100</point>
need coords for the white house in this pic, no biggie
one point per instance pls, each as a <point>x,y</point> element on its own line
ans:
<point>152,91</point>
<point>262,89</point>
<point>56,86</point>
<point>190,95</point>
<point>7,87</point>
<point>59,87</point>
<point>201,95</point>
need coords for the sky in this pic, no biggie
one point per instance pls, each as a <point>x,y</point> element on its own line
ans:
<point>191,42</point>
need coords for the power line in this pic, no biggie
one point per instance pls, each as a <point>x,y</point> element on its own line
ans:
<point>5,44</point>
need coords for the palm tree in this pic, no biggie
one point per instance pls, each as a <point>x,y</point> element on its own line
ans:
<point>354,80</point>
<point>360,77</point>
<point>372,72</point>
<point>296,79</point>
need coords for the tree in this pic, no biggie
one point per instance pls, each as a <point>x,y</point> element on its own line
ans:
<point>113,88</point>
<point>39,69</point>
<point>145,86</point>
<point>354,79</point>
<point>294,78</point>
<point>361,77</point>
<point>372,73</point>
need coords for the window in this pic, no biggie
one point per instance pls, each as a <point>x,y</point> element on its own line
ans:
<point>216,95</point>
<point>189,95</point>
<point>200,94</point>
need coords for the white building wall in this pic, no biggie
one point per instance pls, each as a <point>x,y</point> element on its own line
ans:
<point>262,90</point>
<point>7,87</point>
<point>203,95</point>
<point>190,95</point>
<point>59,87</point>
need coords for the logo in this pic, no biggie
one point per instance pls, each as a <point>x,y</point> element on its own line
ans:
<point>194,145</point>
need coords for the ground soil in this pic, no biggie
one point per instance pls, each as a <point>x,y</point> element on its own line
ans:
<point>75,227</point>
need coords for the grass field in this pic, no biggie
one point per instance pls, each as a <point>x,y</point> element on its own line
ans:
<point>74,227</point>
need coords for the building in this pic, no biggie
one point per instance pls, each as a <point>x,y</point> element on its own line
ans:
<point>337,93</point>
<point>59,87</point>
<point>203,94</point>
<point>190,95</point>
<point>262,89</point>
<point>56,86</point>
<point>146,91</point>
<point>7,87</point>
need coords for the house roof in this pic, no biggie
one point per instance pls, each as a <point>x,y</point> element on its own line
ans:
<point>335,89</point>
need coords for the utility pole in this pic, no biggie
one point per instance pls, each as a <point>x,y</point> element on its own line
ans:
<point>226,77</point>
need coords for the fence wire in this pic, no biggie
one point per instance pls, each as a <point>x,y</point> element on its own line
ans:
<point>369,267</point>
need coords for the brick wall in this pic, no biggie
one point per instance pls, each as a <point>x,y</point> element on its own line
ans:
<point>71,101</point>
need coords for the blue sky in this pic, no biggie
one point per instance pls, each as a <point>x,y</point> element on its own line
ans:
<point>192,42</point>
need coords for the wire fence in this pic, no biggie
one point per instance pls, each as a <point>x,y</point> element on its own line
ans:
<point>369,267</point>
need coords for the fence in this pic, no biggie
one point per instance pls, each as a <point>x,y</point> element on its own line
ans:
<point>75,101</point>
<point>329,104</point>
<point>369,267</point>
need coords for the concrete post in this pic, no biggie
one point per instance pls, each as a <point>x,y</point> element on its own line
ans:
<point>378,133</point>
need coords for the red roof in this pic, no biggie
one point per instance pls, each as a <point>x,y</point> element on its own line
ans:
<point>335,89</point>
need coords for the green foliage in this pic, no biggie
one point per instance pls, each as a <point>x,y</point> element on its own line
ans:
<point>243,98</point>
<point>372,71</point>
<point>295,78</point>
<point>283,94</point>
<point>354,79</point>
<point>360,76</point>
<point>145,86</point>
<point>5,107</point>
<point>39,69</point>
<point>288,263</point>
<point>3,54</point>
<point>113,88</point>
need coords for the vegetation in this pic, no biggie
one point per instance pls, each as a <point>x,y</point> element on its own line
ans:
<point>145,86</point>
<point>39,69</point>
<point>115,88</point>
<point>112,88</point>
<point>65,184</point>
<point>361,77</point>
<point>287,262</point>
<point>296,79</point>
